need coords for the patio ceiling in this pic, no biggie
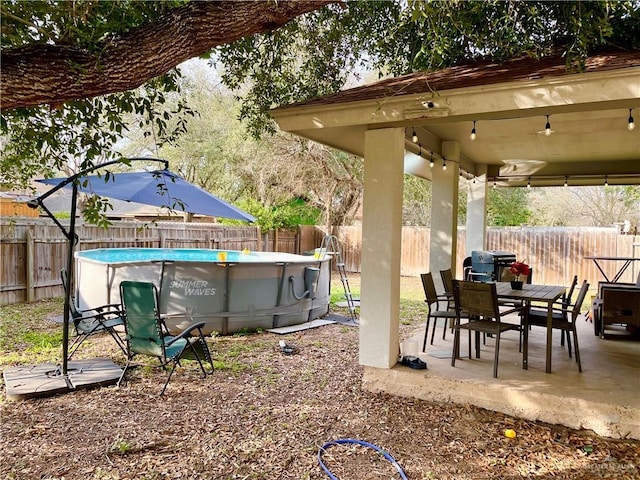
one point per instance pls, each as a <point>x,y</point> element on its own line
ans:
<point>588,112</point>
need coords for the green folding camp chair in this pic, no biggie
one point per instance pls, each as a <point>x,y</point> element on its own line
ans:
<point>91,321</point>
<point>146,333</point>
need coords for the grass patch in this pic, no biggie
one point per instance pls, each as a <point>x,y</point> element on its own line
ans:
<point>28,333</point>
<point>42,341</point>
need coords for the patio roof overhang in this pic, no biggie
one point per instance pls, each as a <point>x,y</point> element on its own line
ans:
<point>590,142</point>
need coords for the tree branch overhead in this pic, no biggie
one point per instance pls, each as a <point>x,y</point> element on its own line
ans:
<point>54,74</point>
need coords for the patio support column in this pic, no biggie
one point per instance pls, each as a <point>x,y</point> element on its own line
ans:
<point>444,211</point>
<point>476,237</point>
<point>381,245</point>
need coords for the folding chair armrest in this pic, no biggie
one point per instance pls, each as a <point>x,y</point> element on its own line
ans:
<point>187,332</point>
<point>101,310</point>
<point>109,307</point>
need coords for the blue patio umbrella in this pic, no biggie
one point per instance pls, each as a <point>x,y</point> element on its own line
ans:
<point>160,188</point>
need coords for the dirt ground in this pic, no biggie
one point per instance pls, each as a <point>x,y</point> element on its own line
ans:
<point>266,415</point>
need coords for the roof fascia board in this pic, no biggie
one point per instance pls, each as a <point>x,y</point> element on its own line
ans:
<point>570,93</point>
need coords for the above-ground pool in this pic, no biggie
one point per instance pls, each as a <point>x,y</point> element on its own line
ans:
<point>229,290</point>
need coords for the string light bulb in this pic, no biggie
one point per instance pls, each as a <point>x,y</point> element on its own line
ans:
<point>529,182</point>
<point>566,181</point>
<point>419,149</point>
<point>431,161</point>
<point>547,127</point>
<point>473,131</point>
<point>414,136</point>
<point>495,184</point>
<point>631,124</point>
<point>444,163</point>
<point>606,181</point>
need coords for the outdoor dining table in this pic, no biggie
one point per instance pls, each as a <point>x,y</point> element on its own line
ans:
<point>534,293</point>
<point>626,261</point>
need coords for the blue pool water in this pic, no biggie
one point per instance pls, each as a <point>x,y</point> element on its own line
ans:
<point>132,255</point>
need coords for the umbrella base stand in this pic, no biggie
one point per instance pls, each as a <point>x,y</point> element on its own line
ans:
<point>46,379</point>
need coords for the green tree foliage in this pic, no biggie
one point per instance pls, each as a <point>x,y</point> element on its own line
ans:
<point>70,71</point>
<point>507,207</point>
<point>416,207</point>
<point>311,55</point>
<point>42,140</point>
<point>289,180</point>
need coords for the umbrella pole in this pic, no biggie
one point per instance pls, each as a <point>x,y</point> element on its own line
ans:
<point>72,238</point>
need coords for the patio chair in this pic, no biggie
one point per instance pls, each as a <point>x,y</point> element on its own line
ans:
<point>563,319</point>
<point>480,302</point>
<point>147,333</point>
<point>433,301</point>
<point>447,281</point>
<point>92,321</point>
<point>561,308</point>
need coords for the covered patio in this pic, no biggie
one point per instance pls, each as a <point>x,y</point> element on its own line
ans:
<point>534,123</point>
<point>603,398</point>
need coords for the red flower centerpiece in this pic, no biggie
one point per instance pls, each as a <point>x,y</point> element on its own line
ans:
<point>519,268</point>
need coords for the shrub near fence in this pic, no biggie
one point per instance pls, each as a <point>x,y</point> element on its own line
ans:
<point>32,252</point>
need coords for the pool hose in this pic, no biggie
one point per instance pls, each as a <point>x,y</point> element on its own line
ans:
<point>343,441</point>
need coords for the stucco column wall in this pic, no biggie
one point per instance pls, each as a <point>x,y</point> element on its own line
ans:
<point>381,245</point>
<point>476,235</point>
<point>444,211</point>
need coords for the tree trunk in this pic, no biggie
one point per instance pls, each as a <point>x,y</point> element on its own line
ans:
<point>53,74</point>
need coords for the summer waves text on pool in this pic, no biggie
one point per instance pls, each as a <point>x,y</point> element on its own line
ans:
<point>193,287</point>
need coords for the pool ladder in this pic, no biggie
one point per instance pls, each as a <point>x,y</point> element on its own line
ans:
<point>331,246</point>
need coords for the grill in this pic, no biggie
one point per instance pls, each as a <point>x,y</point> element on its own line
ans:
<point>487,265</point>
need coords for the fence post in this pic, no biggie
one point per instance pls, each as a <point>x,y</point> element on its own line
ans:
<point>259,239</point>
<point>30,273</point>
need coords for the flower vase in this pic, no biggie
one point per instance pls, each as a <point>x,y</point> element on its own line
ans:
<point>516,284</point>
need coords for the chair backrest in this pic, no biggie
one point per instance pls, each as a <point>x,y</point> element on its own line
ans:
<point>467,268</point>
<point>447,280</point>
<point>476,299</point>
<point>572,287</point>
<point>142,318</point>
<point>75,314</point>
<point>430,293</point>
<point>507,275</point>
<point>579,300</point>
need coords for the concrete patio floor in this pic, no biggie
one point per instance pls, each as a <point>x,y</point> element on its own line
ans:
<point>604,398</point>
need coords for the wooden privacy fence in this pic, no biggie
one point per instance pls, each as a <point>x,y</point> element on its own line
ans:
<point>556,254</point>
<point>32,252</point>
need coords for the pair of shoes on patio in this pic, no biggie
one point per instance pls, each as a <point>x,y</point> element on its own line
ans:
<point>413,362</point>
